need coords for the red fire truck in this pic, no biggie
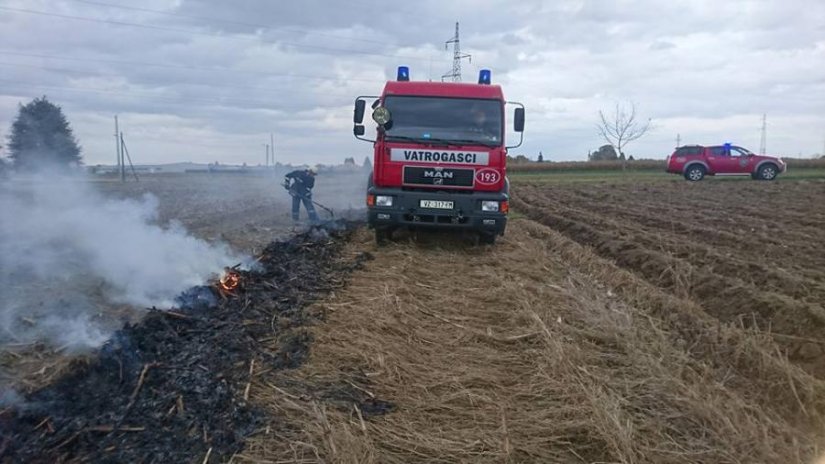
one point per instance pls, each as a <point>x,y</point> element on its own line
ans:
<point>440,156</point>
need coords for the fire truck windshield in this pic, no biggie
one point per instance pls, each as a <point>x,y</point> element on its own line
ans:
<point>460,120</point>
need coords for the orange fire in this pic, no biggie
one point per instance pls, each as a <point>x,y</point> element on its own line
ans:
<point>230,279</point>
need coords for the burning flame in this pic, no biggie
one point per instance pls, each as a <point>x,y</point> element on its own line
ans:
<point>230,279</point>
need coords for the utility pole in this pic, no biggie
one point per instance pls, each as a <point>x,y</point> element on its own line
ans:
<point>455,74</point>
<point>117,145</point>
<point>123,160</point>
<point>678,140</point>
<point>763,140</point>
<point>272,144</point>
<point>124,155</point>
<point>266,145</point>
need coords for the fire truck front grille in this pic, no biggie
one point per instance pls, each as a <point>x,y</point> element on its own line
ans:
<point>437,175</point>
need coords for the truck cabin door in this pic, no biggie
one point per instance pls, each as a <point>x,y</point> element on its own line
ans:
<point>720,160</point>
<point>742,160</point>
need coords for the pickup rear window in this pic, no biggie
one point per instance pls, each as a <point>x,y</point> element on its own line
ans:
<point>689,151</point>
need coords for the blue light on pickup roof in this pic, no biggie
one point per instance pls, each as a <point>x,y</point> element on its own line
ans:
<point>403,73</point>
<point>485,76</point>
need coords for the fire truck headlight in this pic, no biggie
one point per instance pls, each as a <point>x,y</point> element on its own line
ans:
<point>381,115</point>
<point>489,206</point>
<point>383,200</point>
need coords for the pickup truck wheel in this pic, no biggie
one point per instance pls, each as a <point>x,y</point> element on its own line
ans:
<point>383,235</point>
<point>695,173</point>
<point>767,172</point>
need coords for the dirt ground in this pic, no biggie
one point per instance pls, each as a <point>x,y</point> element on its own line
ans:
<point>749,253</point>
<point>613,323</point>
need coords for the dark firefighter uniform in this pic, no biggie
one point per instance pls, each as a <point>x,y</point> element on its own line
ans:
<point>300,184</point>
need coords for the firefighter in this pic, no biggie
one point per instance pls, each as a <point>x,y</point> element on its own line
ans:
<point>480,124</point>
<point>479,117</point>
<point>299,183</point>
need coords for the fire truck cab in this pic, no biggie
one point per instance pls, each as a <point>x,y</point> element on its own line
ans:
<point>440,158</point>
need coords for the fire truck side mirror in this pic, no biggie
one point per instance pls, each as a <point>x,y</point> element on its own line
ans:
<point>358,130</point>
<point>358,116</point>
<point>518,120</point>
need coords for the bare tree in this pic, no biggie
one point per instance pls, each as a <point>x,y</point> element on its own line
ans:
<point>621,127</point>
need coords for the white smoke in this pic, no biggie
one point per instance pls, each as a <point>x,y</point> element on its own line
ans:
<point>69,257</point>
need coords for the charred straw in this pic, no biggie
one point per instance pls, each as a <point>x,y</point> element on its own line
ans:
<point>174,387</point>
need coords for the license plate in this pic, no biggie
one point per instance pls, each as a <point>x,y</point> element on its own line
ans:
<point>436,204</point>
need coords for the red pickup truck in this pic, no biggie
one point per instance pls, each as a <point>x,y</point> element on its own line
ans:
<point>696,161</point>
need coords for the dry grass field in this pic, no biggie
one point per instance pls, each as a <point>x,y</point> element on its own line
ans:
<point>620,320</point>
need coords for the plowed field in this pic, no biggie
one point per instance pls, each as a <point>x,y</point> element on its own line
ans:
<point>613,323</point>
<point>749,254</point>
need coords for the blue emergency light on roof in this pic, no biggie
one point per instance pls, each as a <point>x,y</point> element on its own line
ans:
<point>485,76</point>
<point>403,74</point>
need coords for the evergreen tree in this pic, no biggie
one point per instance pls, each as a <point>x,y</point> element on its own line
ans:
<point>604,153</point>
<point>42,137</point>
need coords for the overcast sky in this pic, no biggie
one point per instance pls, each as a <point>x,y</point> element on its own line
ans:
<point>208,80</point>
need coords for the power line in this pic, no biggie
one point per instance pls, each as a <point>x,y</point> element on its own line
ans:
<point>198,84</point>
<point>237,23</point>
<point>249,138</point>
<point>148,95</point>
<point>188,67</point>
<point>331,51</point>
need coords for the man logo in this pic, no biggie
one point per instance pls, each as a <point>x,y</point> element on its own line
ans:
<point>438,181</point>
<point>439,174</point>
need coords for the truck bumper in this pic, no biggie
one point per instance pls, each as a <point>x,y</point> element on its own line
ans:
<point>406,210</point>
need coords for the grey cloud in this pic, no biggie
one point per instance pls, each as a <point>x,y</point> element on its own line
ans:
<point>293,68</point>
<point>661,45</point>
